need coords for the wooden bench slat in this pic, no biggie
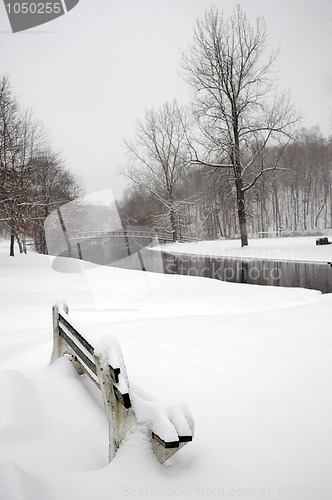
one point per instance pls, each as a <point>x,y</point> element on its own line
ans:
<point>87,372</point>
<point>185,439</point>
<point>78,351</point>
<point>171,444</point>
<point>77,335</point>
<point>123,398</point>
<point>115,372</point>
<point>165,444</point>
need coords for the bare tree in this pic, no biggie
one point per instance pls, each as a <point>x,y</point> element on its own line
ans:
<point>33,179</point>
<point>159,157</point>
<point>54,186</point>
<point>18,142</point>
<point>236,105</point>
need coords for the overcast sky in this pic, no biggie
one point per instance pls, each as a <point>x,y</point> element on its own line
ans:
<point>89,74</point>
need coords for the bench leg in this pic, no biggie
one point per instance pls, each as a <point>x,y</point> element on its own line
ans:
<point>120,419</point>
<point>60,347</point>
<point>163,453</point>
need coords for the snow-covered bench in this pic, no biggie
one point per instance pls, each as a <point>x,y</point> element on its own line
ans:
<point>170,425</point>
<point>323,241</point>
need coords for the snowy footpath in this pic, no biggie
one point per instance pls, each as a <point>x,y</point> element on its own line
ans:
<point>301,248</point>
<point>253,364</point>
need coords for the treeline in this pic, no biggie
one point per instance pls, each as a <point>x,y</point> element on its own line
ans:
<point>33,178</point>
<point>296,198</point>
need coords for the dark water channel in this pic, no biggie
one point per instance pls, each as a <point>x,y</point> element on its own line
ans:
<point>131,253</point>
<point>314,275</point>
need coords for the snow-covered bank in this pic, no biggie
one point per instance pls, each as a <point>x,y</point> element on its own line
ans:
<point>252,363</point>
<point>297,248</point>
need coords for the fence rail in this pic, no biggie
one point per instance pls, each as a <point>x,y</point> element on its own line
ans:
<point>79,236</point>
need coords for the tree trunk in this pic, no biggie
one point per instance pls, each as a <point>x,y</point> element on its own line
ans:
<point>277,212</point>
<point>173,224</point>
<point>12,244</point>
<point>40,239</point>
<point>63,227</point>
<point>24,244</point>
<point>218,224</point>
<point>242,221</point>
<point>241,209</point>
<point>19,242</point>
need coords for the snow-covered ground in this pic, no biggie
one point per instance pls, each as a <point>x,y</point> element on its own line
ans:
<point>252,363</point>
<point>296,248</point>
